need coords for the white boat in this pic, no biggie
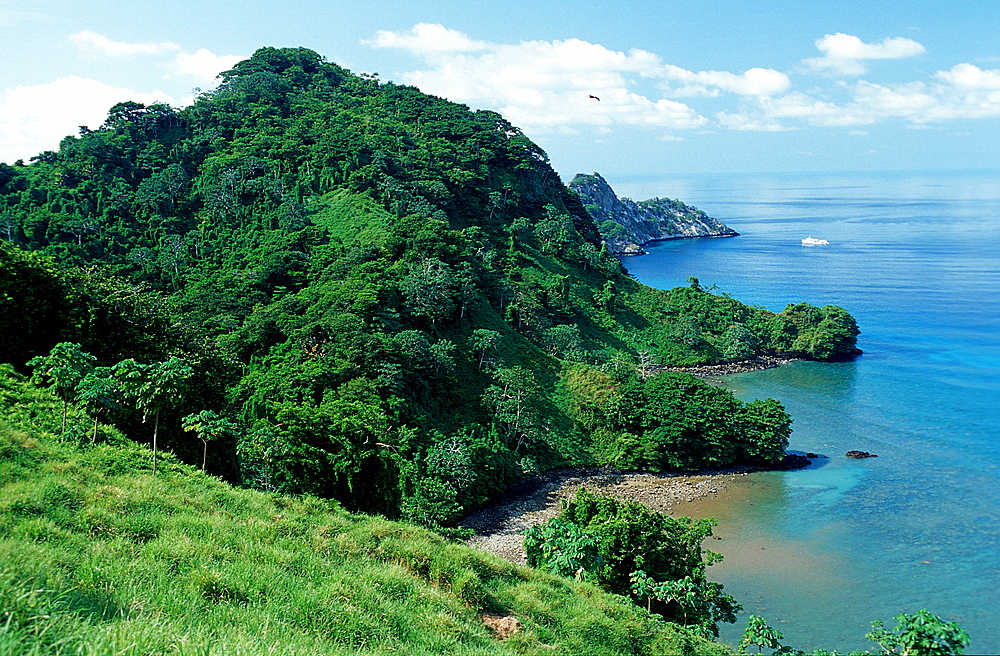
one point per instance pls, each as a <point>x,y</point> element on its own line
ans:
<point>812,241</point>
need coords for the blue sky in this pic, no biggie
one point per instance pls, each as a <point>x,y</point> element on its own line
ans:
<point>684,87</point>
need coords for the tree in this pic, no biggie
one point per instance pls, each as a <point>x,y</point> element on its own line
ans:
<point>604,298</point>
<point>656,558</point>
<point>564,341</point>
<point>208,426</point>
<point>554,231</point>
<point>738,343</point>
<point>10,226</point>
<point>429,289</point>
<point>767,427</point>
<point>341,449</point>
<point>153,387</point>
<point>512,399</point>
<point>432,504</point>
<point>259,449</point>
<point>98,391</point>
<point>562,548</point>
<point>760,635</point>
<point>920,634</point>
<point>484,340</point>
<point>692,596</point>
<point>63,368</point>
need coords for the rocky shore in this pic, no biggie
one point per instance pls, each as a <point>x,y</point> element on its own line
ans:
<point>635,224</point>
<point>499,528</point>
<point>754,364</point>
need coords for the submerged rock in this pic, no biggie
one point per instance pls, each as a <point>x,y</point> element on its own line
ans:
<point>794,461</point>
<point>857,455</point>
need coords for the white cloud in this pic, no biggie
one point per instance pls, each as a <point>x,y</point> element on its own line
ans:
<point>546,86</point>
<point>969,76</point>
<point>12,17</point>
<point>93,44</point>
<point>962,92</point>
<point>845,54</point>
<point>749,122</point>
<point>754,82</point>
<point>541,85</point>
<point>203,65</point>
<point>427,39</point>
<point>36,118</point>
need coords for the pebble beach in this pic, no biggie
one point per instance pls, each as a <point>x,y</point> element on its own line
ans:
<point>499,527</point>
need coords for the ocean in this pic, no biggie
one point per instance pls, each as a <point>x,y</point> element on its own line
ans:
<point>915,257</point>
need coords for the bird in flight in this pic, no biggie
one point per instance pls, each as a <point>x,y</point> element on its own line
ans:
<point>595,97</point>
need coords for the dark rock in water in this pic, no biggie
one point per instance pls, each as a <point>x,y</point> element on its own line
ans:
<point>794,461</point>
<point>812,455</point>
<point>857,455</point>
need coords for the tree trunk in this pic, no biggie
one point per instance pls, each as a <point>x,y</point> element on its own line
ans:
<point>156,430</point>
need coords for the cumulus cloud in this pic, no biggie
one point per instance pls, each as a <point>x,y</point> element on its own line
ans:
<point>203,65</point>
<point>93,44</point>
<point>845,54</point>
<point>963,92</point>
<point>548,84</point>
<point>36,118</point>
<point>426,39</point>
<point>971,77</point>
<point>540,85</point>
<point>753,82</point>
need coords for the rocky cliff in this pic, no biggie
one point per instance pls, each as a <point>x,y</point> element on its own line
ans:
<point>627,225</point>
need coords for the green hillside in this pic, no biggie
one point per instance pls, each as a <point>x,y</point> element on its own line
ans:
<point>339,296</point>
<point>322,247</point>
<point>100,557</point>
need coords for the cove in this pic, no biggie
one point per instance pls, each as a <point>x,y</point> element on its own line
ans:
<point>915,257</point>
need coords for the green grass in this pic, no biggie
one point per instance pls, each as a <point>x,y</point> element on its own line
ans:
<point>98,556</point>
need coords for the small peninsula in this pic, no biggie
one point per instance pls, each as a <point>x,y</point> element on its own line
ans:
<point>626,226</point>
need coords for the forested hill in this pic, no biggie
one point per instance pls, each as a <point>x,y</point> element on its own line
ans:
<point>371,294</point>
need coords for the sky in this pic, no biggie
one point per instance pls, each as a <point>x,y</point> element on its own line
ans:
<point>626,88</point>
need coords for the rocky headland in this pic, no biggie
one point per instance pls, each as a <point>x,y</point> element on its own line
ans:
<point>626,225</point>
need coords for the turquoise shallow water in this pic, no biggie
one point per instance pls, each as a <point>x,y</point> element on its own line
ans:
<point>915,257</point>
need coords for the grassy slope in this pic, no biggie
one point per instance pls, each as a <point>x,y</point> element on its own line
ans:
<point>97,556</point>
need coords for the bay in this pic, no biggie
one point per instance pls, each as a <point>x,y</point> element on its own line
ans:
<point>915,257</point>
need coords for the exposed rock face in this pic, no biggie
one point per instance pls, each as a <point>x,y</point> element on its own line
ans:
<point>626,225</point>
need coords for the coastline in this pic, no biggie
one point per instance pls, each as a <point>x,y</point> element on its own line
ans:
<point>499,527</point>
<point>758,363</point>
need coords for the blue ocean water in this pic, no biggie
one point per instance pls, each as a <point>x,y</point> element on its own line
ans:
<point>915,257</point>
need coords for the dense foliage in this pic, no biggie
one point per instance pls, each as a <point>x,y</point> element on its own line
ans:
<point>391,300</point>
<point>631,550</point>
